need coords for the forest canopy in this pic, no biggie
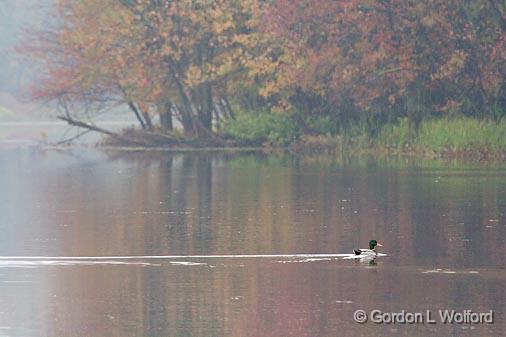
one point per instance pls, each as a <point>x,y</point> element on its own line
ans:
<point>326,65</point>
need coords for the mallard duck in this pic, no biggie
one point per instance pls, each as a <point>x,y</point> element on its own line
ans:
<point>368,252</point>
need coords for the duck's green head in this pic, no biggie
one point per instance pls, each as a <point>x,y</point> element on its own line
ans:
<point>374,243</point>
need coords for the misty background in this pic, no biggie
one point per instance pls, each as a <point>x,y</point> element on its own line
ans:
<point>18,73</point>
<point>24,122</point>
<point>17,16</point>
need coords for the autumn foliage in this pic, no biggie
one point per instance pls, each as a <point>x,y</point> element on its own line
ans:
<point>196,61</point>
<point>393,56</point>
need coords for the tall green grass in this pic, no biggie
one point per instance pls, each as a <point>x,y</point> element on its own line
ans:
<point>435,136</point>
<point>453,134</point>
<point>463,134</point>
<point>394,135</point>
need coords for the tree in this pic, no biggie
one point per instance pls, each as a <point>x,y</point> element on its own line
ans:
<point>389,56</point>
<point>89,59</point>
<point>348,60</point>
<point>172,57</point>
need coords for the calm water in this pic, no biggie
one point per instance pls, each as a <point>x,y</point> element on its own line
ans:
<point>443,228</point>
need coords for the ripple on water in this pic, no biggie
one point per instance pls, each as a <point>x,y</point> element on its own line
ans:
<point>448,271</point>
<point>49,263</point>
<point>304,260</point>
<point>187,263</point>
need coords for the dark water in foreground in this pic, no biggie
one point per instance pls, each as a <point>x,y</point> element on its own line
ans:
<point>443,229</point>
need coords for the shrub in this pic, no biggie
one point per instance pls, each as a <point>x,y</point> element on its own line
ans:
<point>256,129</point>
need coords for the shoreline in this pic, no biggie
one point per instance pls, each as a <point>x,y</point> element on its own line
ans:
<point>356,146</point>
<point>312,150</point>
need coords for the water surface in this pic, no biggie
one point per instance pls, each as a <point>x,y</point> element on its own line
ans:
<point>442,226</point>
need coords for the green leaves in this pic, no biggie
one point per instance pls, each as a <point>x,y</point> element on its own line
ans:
<point>256,129</point>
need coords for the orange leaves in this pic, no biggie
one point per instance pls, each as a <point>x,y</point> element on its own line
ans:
<point>367,50</point>
<point>136,50</point>
<point>90,52</point>
<point>358,51</point>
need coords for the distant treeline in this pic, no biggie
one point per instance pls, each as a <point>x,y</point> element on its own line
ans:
<point>318,66</point>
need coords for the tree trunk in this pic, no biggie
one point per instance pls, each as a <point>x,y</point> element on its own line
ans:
<point>137,114</point>
<point>165,113</point>
<point>190,112</point>
<point>217,113</point>
<point>95,128</point>
<point>414,107</point>
<point>228,107</point>
<point>143,108</point>
<point>205,99</point>
<point>206,111</point>
<point>186,109</point>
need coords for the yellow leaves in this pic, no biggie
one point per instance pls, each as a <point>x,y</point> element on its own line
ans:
<point>226,67</point>
<point>428,21</point>
<point>346,74</point>
<point>268,89</point>
<point>148,46</point>
<point>455,63</point>
<point>221,20</point>
<point>221,26</point>
<point>242,39</point>
<point>193,76</point>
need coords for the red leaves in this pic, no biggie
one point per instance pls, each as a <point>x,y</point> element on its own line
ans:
<point>372,49</point>
<point>358,50</point>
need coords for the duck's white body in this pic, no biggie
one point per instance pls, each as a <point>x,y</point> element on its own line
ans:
<point>365,257</point>
<point>365,252</point>
<point>371,251</point>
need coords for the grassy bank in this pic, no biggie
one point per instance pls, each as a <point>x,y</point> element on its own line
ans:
<point>464,138</point>
<point>460,137</point>
<point>464,134</point>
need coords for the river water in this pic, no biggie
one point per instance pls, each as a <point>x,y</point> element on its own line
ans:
<point>207,244</point>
